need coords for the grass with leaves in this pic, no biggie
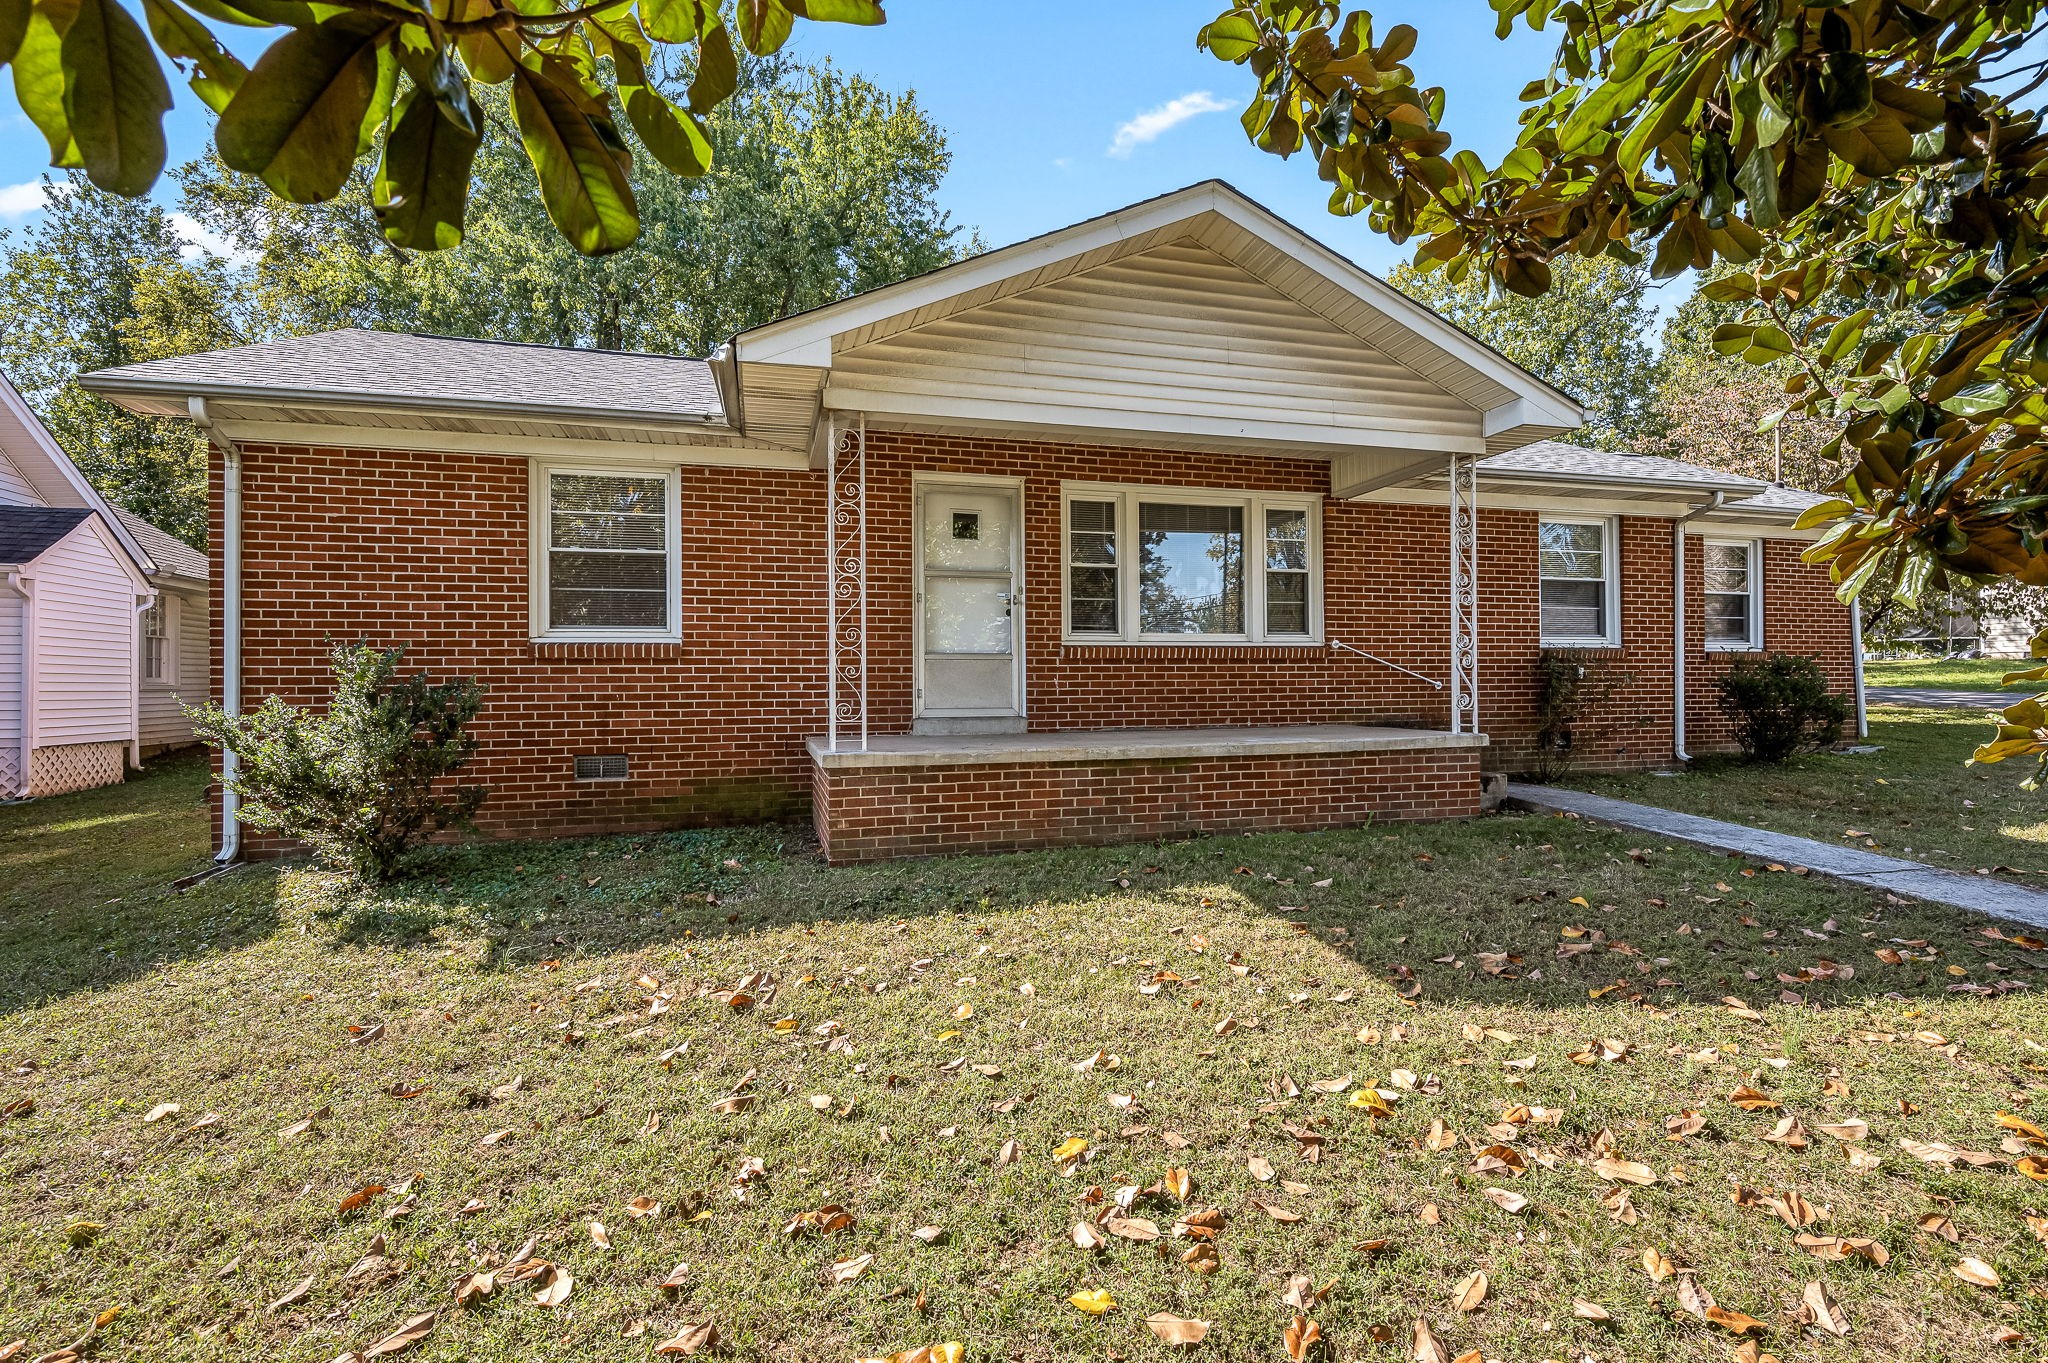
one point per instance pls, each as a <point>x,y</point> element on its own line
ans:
<point>1915,797</point>
<point>1390,1059</point>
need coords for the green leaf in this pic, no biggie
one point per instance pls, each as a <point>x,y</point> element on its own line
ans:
<point>13,23</point>
<point>577,157</point>
<point>1877,147</point>
<point>1231,37</point>
<point>669,21</point>
<point>1758,180</point>
<point>718,71</point>
<point>115,97</point>
<point>268,13</point>
<point>219,72</point>
<point>422,187</point>
<point>837,11</point>
<point>298,119</point>
<point>670,135</point>
<point>39,78</point>
<point>765,26</point>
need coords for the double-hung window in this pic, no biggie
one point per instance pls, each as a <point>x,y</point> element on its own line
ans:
<point>1733,577</point>
<point>158,659</point>
<point>1167,565</point>
<point>1578,584</point>
<point>606,555</point>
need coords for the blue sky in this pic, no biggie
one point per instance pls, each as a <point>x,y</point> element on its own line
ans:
<point>1059,110</point>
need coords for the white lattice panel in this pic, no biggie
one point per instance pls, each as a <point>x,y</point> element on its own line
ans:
<point>75,766</point>
<point>10,774</point>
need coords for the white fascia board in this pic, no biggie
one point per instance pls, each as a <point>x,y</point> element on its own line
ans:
<point>1530,411</point>
<point>147,396</point>
<point>304,434</point>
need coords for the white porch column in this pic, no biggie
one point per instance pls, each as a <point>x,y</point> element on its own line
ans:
<point>846,583</point>
<point>1464,594</point>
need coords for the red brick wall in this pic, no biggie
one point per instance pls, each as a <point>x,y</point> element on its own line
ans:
<point>863,814</point>
<point>1801,615</point>
<point>431,550</point>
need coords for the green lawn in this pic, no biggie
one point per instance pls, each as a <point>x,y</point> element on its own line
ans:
<point>1541,1003</point>
<point>1955,674</point>
<point>1914,798</point>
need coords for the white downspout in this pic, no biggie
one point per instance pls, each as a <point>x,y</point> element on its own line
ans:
<point>230,617</point>
<point>1856,649</point>
<point>24,587</point>
<point>1678,751</point>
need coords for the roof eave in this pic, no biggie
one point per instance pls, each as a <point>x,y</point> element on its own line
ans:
<point>113,385</point>
<point>1675,485</point>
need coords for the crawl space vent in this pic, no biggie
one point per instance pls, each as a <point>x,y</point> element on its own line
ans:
<point>602,767</point>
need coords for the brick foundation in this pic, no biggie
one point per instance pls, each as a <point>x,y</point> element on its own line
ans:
<point>870,813</point>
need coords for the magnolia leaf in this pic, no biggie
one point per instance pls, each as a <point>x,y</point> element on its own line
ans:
<point>577,156</point>
<point>404,1337</point>
<point>115,97</point>
<point>298,119</point>
<point>1173,1329</point>
<point>1470,1292</point>
<point>670,134</point>
<point>1093,1301</point>
<point>422,186</point>
<point>1977,1273</point>
<point>39,78</point>
<point>699,1338</point>
<point>217,72</point>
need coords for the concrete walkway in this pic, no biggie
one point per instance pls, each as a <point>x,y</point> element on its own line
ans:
<point>1933,697</point>
<point>1913,879</point>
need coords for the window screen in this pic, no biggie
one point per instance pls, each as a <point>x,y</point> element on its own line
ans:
<point>608,546</point>
<point>1287,572</point>
<point>1572,564</point>
<point>1091,568</point>
<point>1730,589</point>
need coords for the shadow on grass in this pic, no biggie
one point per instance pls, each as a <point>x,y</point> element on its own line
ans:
<point>85,885</point>
<point>1510,909</point>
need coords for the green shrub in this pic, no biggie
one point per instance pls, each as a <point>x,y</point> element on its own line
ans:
<point>359,781</point>
<point>1781,704</point>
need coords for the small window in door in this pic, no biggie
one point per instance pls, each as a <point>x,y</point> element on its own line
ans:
<point>966,525</point>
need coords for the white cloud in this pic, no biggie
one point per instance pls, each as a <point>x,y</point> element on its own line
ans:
<point>199,241</point>
<point>1148,126</point>
<point>18,201</point>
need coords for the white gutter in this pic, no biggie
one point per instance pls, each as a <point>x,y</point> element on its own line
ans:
<point>230,617</point>
<point>1678,751</point>
<point>24,587</point>
<point>1856,650</point>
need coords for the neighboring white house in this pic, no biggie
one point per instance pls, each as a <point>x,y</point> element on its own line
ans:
<point>103,623</point>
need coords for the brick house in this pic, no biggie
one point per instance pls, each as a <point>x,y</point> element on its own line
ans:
<point>1170,520</point>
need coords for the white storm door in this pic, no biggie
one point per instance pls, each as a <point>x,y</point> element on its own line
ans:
<point>969,542</point>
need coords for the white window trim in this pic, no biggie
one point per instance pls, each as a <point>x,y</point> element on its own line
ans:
<point>1127,496</point>
<point>1610,564</point>
<point>537,521</point>
<point>1755,641</point>
<point>168,604</point>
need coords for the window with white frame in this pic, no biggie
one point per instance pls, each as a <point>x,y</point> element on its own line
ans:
<point>606,560</point>
<point>1734,602</point>
<point>158,658</point>
<point>1166,565</point>
<point>1579,589</point>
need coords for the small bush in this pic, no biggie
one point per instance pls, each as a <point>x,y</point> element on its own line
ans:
<point>358,782</point>
<point>1780,705</point>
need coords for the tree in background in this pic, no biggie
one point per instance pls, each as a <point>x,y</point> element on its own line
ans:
<point>1586,335</point>
<point>99,281</point>
<point>823,185</point>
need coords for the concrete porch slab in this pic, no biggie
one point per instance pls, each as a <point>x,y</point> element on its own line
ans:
<point>1130,745</point>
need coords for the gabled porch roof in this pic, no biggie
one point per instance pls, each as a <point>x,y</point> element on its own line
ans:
<point>1197,320</point>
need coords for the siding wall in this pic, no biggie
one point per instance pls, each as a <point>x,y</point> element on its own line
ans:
<point>14,489</point>
<point>163,720</point>
<point>85,642</point>
<point>433,552</point>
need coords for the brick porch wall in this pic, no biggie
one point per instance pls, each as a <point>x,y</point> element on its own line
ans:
<point>866,813</point>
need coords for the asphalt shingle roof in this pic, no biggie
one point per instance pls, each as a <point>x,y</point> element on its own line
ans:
<point>395,367</point>
<point>170,554</point>
<point>26,531</point>
<point>1554,457</point>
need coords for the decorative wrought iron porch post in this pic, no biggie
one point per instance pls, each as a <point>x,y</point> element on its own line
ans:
<point>1464,594</point>
<point>846,546</point>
